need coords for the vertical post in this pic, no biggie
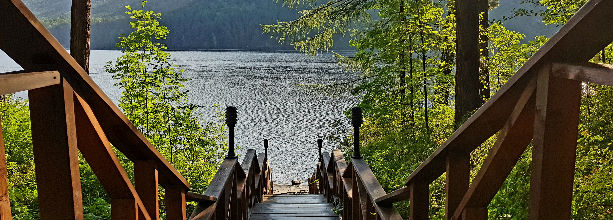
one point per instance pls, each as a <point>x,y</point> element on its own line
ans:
<point>231,117</point>
<point>146,181</point>
<point>265,150</point>
<point>356,121</point>
<point>555,145</point>
<point>124,209</point>
<point>5,202</point>
<point>419,200</point>
<point>54,140</point>
<point>458,175</point>
<point>80,32</point>
<point>319,146</point>
<point>176,203</point>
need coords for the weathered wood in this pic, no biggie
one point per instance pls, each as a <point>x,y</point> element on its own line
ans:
<point>55,152</point>
<point>398,195</point>
<point>176,203</point>
<point>15,82</point>
<point>30,45</point>
<point>5,202</point>
<point>293,207</point>
<point>419,200</point>
<point>146,184</point>
<point>458,177</point>
<point>574,43</point>
<point>510,144</point>
<point>555,143</point>
<point>601,74</point>
<point>99,154</point>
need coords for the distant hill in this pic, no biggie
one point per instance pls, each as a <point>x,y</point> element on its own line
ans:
<point>213,24</point>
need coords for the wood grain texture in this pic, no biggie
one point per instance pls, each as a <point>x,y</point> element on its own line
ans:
<point>16,82</point>
<point>146,184</point>
<point>54,140</point>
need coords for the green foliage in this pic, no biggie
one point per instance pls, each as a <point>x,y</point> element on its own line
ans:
<point>155,100</point>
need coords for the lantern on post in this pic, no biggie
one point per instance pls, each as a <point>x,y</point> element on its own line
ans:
<point>356,121</point>
<point>231,118</point>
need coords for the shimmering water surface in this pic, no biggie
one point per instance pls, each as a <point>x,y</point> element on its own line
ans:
<point>279,96</point>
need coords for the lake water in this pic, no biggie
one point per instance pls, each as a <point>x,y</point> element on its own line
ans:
<point>283,97</point>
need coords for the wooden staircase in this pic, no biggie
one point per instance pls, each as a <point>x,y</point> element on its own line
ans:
<point>293,207</point>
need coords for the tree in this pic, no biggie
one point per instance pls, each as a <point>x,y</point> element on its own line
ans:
<point>155,100</point>
<point>80,31</point>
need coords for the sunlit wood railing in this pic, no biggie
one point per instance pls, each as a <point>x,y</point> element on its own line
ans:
<point>71,114</point>
<point>353,184</point>
<point>539,104</point>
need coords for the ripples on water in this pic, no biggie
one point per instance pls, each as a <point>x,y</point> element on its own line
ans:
<point>277,95</point>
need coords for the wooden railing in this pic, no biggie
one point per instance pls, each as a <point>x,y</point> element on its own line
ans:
<point>353,184</point>
<point>235,187</point>
<point>539,104</point>
<point>71,114</point>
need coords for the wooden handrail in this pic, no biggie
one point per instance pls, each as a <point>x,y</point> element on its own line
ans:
<point>354,185</point>
<point>235,188</point>
<point>540,103</point>
<point>30,45</point>
<point>22,81</point>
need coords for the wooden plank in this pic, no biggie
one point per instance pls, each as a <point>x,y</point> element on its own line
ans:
<point>11,83</point>
<point>419,200</point>
<point>221,178</point>
<point>30,45</point>
<point>176,203</point>
<point>555,143</point>
<point>458,177</point>
<point>601,74</point>
<point>510,144</point>
<point>5,201</point>
<point>146,184</point>
<point>290,217</point>
<point>398,195</point>
<point>99,154</point>
<point>54,140</point>
<point>574,43</point>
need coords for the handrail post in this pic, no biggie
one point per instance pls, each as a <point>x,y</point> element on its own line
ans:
<point>356,121</point>
<point>319,146</point>
<point>265,149</point>
<point>231,118</point>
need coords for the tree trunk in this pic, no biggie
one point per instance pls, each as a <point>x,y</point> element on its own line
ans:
<point>484,71</point>
<point>467,60</point>
<point>80,31</point>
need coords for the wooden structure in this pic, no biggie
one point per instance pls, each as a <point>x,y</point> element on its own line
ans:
<point>539,104</point>
<point>71,114</point>
<point>293,207</point>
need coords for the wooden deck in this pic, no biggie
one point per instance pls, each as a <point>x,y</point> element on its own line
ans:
<point>293,207</point>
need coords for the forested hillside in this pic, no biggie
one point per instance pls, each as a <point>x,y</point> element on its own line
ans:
<point>217,24</point>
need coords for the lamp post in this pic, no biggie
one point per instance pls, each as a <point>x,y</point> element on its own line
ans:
<point>356,121</point>
<point>231,118</point>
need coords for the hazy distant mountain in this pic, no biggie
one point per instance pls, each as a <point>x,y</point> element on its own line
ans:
<point>213,24</point>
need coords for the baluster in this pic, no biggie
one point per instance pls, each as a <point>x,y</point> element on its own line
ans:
<point>5,202</point>
<point>458,176</point>
<point>146,181</point>
<point>555,144</point>
<point>55,152</point>
<point>419,200</point>
<point>176,203</point>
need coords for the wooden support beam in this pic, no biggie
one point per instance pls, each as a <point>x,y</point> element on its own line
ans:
<point>458,177</point>
<point>555,143</point>
<point>5,202</point>
<point>15,82</point>
<point>601,74</point>
<point>419,200</point>
<point>99,154</point>
<point>146,181</point>
<point>510,144</point>
<point>30,45</point>
<point>176,203</point>
<point>54,140</point>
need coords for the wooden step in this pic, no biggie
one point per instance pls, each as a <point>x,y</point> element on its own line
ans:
<point>297,207</point>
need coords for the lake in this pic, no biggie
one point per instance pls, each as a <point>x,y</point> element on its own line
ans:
<point>289,98</point>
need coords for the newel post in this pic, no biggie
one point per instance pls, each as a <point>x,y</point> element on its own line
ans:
<point>356,121</point>
<point>319,146</point>
<point>231,118</point>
